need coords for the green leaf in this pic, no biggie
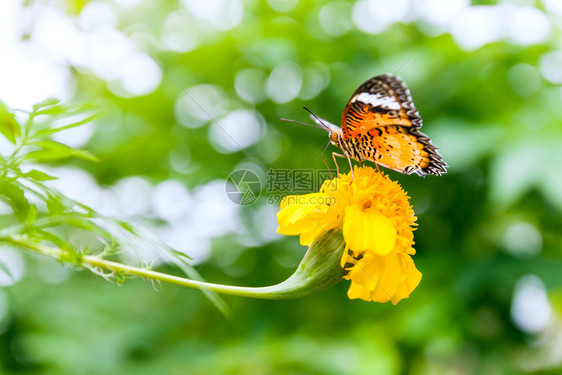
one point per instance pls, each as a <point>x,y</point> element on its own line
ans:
<point>54,205</point>
<point>9,127</point>
<point>51,151</point>
<point>36,175</point>
<point>14,195</point>
<point>48,236</point>
<point>179,254</point>
<point>31,214</point>
<point>52,103</point>
<point>127,226</point>
<point>69,254</point>
<point>66,110</point>
<point>86,225</point>
<point>47,132</point>
<point>83,154</point>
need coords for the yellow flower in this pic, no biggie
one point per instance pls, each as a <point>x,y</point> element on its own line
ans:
<point>377,222</point>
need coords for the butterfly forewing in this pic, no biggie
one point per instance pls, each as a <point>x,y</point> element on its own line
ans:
<point>381,120</point>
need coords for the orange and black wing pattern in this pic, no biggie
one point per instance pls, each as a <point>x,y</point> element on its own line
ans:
<point>381,120</point>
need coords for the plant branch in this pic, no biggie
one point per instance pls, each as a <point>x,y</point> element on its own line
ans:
<point>294,286</point>
<point>319,269</point>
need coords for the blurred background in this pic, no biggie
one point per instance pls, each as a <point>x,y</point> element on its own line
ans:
<point>485,75</point>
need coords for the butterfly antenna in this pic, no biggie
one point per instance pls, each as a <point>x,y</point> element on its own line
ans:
<point>319,120</point>
<point>403,65</point>
<point>302,123</point>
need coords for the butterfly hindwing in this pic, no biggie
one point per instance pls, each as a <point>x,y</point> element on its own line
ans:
<point>405,150</point>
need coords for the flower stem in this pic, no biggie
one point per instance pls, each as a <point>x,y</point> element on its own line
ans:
<point>318,270</point>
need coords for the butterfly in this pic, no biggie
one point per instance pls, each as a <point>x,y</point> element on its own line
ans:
<point>381,124</point>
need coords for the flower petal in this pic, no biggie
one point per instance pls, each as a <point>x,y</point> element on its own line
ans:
<point>304,215</point>
<point>383,278</point>
<point>368,230</point>
<point>411,277</point>
<point>375,278</point>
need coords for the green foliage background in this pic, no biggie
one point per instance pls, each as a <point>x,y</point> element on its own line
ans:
<point>497,123</point>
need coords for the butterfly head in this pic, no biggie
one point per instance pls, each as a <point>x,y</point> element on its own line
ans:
<point>335,137</point>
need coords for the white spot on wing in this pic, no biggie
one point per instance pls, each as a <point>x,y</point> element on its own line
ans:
<point>376,100</point>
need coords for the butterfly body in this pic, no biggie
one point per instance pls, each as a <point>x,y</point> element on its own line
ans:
<point>380,123</point>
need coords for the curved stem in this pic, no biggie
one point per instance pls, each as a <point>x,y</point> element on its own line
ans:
<point>315,272</point>
<point>253,292</point>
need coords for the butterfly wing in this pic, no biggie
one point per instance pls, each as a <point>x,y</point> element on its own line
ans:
<point>382,100</point>
<point>405,150</point>
<point>382,114</point>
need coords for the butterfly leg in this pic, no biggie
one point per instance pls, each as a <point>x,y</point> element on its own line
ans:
<point>334,154</point>
<point>325,162</point>
<point>350,168</point>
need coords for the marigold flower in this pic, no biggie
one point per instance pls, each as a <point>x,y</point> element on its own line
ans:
<point>377,222</point>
